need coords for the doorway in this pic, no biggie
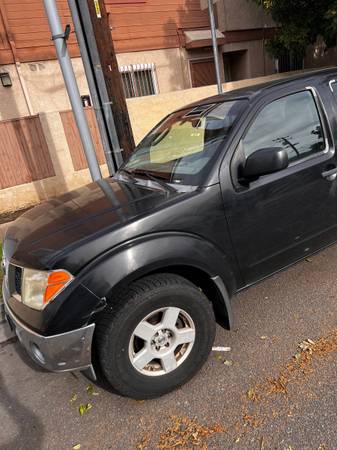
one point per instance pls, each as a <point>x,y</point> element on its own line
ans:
<point>235,65</point>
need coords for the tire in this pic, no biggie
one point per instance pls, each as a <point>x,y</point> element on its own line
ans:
<point>151,304</point>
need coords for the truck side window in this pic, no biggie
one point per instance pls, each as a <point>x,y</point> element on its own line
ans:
<point>291,122</point>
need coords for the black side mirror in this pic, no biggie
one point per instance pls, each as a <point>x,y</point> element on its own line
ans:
<point>264,162</point>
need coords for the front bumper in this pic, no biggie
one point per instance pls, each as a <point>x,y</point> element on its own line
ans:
<point>58,353</point>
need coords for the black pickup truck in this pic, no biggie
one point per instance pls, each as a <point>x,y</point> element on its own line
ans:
<point>125,278</point>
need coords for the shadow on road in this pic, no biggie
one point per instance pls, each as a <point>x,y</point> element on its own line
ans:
<point>29,426</point>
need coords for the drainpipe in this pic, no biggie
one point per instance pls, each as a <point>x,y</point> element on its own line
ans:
<point>60,37</point>
<point>215,45</point>
<point>16,59</point>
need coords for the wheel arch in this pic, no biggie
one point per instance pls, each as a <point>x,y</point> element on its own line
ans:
<point>213,287</point>
<point>191,257</point>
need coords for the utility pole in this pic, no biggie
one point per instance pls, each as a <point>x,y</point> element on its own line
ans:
<point>96,84</point>
<point>109,66</point>
<point>60,36</point>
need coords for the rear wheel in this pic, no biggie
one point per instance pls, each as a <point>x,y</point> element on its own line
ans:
<point>155,336</point>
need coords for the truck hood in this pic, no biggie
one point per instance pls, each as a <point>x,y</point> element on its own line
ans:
<point>42,237</point>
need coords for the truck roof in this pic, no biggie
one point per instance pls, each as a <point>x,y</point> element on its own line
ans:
<point>259,88</point>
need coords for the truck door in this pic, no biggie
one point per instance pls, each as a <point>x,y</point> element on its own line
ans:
<point>279,218</point>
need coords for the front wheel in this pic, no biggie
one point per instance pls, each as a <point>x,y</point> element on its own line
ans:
<point>155,336</point>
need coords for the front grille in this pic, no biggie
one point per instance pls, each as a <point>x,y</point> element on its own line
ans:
<point>14,280</point>
<point>18,279</point>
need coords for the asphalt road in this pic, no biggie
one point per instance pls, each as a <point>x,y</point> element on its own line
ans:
<point>261,399</point>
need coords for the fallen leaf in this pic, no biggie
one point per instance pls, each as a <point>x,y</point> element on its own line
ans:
<point>262,443</point>
<point>252,395</point>
<point>306,346</point>
<point>73,398</point>
<point>298,356</point>
<point>90,390</point>
<point>263,337</point>
<point>228,362</point>
<point>237,440</point>
<point>218,357</point>
<point>77,447</point>
<point>84,408</point>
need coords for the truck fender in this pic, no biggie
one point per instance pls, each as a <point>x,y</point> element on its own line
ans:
<point>159,252</point>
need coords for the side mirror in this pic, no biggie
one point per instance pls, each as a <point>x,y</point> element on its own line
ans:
<point>264,162</point>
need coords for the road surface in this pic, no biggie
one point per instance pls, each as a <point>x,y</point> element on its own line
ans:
<point>257,396</point>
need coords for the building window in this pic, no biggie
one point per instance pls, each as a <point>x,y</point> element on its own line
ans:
<point>139,80</point>
<point>288,62</point>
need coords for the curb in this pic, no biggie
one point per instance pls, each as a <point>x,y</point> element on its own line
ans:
<point>2,310</point>
<point>5,333</point>
<point>3,228</point>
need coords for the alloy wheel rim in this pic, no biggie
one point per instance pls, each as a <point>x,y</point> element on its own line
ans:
<point>162,341</point>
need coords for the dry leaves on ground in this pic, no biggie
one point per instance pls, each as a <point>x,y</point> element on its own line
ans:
<point>186,433</point>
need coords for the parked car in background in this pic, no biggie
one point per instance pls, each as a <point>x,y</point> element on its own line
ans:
<point>126,277</point>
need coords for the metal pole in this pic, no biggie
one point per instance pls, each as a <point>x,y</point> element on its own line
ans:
<point>215,45</point>
<point>82,40</point>
<point>88,32</point>
<point>107,68</point>
<point>59,37</point>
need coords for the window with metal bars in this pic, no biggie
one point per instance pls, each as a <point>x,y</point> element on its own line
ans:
<point>139,80</point>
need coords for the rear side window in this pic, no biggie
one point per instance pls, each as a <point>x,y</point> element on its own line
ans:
<point>291,122</point>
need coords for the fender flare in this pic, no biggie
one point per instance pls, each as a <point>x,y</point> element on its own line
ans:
<point>157,252</point>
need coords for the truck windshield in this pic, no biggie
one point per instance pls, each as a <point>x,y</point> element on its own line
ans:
<point>182,147</point>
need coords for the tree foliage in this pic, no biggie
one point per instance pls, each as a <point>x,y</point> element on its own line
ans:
<point>301,23</point>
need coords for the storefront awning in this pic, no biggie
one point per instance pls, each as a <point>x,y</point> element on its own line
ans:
<point>201,38</point>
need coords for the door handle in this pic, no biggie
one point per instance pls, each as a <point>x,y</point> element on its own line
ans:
<point>330,174</point>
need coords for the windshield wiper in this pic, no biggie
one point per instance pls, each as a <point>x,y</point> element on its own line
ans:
<point>132,176</point>
<point>159,181</point>
<point>129,174</point>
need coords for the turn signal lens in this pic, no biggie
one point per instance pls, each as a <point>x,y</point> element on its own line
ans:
<point>60,276</point>
<point>56,282</point>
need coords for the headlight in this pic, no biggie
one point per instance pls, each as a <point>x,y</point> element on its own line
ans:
<point>39,287</point>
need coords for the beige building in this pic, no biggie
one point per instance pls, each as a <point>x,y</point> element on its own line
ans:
<point>160,48</point>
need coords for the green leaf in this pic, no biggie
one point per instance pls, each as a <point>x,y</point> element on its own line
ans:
<point>91,391</point>
<point>84,408</point>
<point>227,362</point>
<point>73,398</point>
